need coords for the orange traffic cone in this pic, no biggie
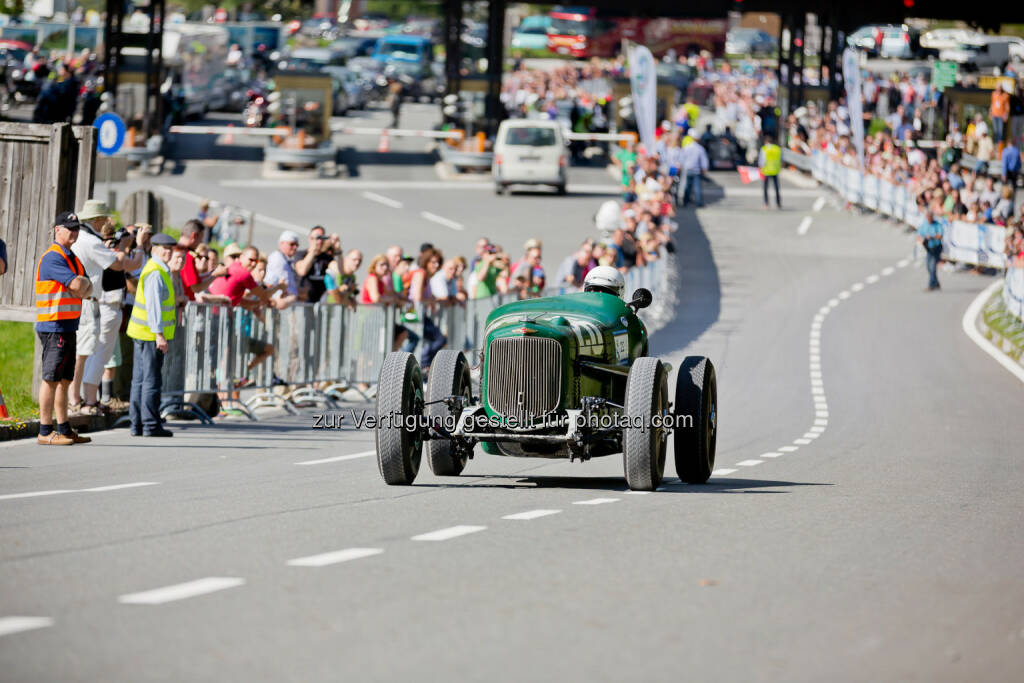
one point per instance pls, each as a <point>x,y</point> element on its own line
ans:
<point>385,143</point>
<point>3,407</point>
<point>229,139</point>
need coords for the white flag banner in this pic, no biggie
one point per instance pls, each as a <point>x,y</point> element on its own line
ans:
<point>643,81</point>
<point>854,100</point>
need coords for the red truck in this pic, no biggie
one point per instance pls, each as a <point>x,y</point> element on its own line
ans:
<point>590,32</point>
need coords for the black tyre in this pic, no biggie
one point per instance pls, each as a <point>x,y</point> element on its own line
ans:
<point>500,188</point>
<point>449,375</point>
<point>644,442</point>
<point>696,396</point>
<point>560,189</point>
<point>399,395</point>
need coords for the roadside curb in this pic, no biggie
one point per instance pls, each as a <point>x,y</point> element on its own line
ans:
<point>973,325</point>
<point>14,430</point>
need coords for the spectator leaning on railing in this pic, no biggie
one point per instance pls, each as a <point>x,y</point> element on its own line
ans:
<point>280,269</point>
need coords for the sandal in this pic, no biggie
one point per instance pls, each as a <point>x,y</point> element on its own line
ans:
<point>93,409</point>
<point>75,408</point>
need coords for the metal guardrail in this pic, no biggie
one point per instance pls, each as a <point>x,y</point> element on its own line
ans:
<point>323,348</point>
<point>1013,293</point>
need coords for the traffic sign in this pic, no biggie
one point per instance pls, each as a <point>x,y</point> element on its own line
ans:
<point>111,133</point>
<point>944,75</point>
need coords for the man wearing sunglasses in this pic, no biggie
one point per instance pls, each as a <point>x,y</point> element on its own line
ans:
<point>61,285</point>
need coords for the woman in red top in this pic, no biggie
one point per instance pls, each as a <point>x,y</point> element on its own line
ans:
<point>378,289</point>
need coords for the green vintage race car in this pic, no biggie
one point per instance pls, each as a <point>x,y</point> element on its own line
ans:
<point>561,377</point>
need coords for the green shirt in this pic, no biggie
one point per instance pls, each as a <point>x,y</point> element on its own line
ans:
<point>486,283</point>
<point>626,160</point>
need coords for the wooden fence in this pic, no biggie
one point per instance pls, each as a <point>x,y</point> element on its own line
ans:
<point>44,169</point>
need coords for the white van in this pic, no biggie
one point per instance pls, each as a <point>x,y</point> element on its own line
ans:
<point>529,152</point>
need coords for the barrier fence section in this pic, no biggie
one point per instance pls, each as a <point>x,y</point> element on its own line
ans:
<point>979,244</point>
<point>323,348</point>
<point>1013,292</point>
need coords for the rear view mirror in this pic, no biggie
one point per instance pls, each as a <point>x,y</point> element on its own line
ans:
<point>641,299</point>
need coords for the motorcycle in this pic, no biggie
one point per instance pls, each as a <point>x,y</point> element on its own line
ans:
<point>255,113</point>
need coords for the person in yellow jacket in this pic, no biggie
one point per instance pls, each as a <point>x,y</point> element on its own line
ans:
<point>151,326</point>
<point>770,163</point>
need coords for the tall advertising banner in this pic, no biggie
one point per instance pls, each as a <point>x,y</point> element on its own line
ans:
<point>643,81</point>
<point>854,100</point>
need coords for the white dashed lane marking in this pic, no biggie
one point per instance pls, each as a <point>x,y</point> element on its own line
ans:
<point>95,489</point>
<point>722,472</point>
<point>596,501</point>
<point>441,220</point>
<point>749,463</point>
<point>531,514</point>
<point>450,532</point>
<point>181,591</point>
<point>804,226</point>
<point>336,557</point>
<point>819,204</point>
<point>381,199</point>
<point>338,458</point>
<point>11,625</point>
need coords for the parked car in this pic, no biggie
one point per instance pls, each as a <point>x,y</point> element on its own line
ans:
<point>900,42</point>
<point>350,92</point>
<point>990,53</point>
<point>530,152</point>
<point>750,41</point>
<point>370,73</point>
<point>356,44</point>
<point>566,377</point>
<point>236,85</point>
<point>948,38</point>
<point>311,59</point>
<point>532,33</point>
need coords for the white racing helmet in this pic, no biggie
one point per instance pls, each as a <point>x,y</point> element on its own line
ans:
<point>605,279</point>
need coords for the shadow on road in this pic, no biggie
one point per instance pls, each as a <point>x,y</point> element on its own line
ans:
<point>699,288</point>
<point>618,485</point>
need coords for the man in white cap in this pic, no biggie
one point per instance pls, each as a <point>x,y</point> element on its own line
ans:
<point>280,268</point>
<point>105,265</point>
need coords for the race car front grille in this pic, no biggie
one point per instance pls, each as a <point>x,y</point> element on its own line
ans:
<point>524,378</point>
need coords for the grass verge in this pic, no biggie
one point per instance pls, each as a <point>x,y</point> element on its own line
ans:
<point>1000,322</point>
<point>16,369</point>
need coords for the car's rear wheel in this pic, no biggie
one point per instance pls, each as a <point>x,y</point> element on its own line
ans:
<point>449,376</point>
<point>644,442</point>
<point>696,397</point>
<point>399,407</point>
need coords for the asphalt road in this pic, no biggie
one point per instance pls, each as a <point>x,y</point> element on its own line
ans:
<point>864,522</point>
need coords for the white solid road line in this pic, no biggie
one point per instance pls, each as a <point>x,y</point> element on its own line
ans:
<point>450,532</point>
<point>95,489</point>
<point>258,217</point>
<point>181,591</point>
<point>338,458</point>
<point>722,472</point>
<point>971,330</point>
<point>9,625</point>
<point>805,225</point>
<point>749,463</point>
<point>532,514</point>
<point>381,199</point>
<point>596,501</point>
<point>336,557</point>
<point>441,220</point>
<point>819,204</point>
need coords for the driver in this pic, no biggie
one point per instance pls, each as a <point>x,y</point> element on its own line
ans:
<point>605,279</point>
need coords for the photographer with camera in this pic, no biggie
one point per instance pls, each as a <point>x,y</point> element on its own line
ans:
<point>106,259</point>
<point>311,264</point>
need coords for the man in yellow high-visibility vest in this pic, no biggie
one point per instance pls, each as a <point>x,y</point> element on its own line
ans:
<point>770,163</point>
<point>151,326</point>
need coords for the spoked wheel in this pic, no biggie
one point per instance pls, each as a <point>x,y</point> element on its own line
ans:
<point>644,440</point>
<point>449,376</point>
<point>399,407</point>
<point>697,397</point>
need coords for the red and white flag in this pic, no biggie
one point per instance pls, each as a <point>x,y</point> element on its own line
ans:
<point>749,174</point>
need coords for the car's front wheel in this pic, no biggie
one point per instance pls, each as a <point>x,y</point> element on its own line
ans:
<point>399,409</point>
<point>644,439</point>
<point>449,376</point>
<point>696,417</point>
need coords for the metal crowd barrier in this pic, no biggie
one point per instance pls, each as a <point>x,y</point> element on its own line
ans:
<point>323,348</point>
<point>1013,293</point>
<point>979,244</point>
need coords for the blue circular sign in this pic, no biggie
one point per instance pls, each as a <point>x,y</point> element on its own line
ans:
<point>111,133</point>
